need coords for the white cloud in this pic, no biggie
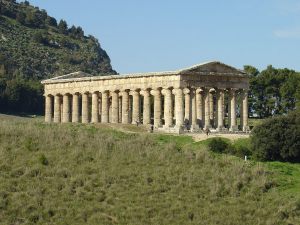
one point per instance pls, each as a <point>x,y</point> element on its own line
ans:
<point>288,33</point>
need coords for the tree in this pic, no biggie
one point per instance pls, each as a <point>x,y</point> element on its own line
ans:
<point>278,138</point>
<point>272,91</point>
<point>50,21</point>
<point>63,27</point>
<point>251,70</point>
<point>21,17</point>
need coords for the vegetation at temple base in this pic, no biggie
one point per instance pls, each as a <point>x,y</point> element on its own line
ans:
<point>278,138</point>
<point>34,46</point>
<point>93,174</point>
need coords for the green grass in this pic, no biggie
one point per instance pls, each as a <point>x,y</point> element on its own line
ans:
<point>85,174</point>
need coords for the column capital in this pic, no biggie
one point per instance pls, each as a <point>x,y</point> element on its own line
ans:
<point>114,91</point>
<point>232,91</point>
<point>186,91</point>
<point>177,91</point>
<point>212,90</point>
<point>155,92</point>
<point>134,92</point>
<point>165,91</point>
<point>145,92</point>
<point>199,90</point>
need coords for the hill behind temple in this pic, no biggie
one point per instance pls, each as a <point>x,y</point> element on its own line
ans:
<point>35,46</point>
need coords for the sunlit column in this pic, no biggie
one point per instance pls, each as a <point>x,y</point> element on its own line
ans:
<point>48,108</point>
<point>105,115</point>
<point>157,107</point>
<point>179,112</point>
<point>125,107</point>
<point>57,109</point>
<point>115,107</point>
<point>95,107</point>
<point>146,107</point>
<point>168,107</point>
<point>75,108</point>
<point>85,108</point>
<point>220,109</point>
<point>66,109</point>
<point>135,107</point>
<point>233,125</point>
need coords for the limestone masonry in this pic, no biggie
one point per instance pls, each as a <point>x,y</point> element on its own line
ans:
<point>190,99</point>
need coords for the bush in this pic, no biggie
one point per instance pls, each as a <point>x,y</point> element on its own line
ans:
<point>278,138</point>
<point>218,145</point>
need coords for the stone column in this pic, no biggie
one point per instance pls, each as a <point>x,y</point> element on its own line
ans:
<point>220,109</point>
<point>85,108</point>
<point>120,109</point>
<point>168,108</point>
<point>75,108</point>
<point>207,124</point>
<point>244,119</point>
<point>179,113</point>
<point>48,109</point>
<point>66,109</point>
<point>199,105</point>
<point>233,125</point>
<point>194,125</point>
<point>187,100</point>
<point>95,107</point>
<point>125,107</point>
<point>135,107</point>
<point>105,114</point>
<point>57,109</point>
<point>157,107</point>
<point>115,107</point>
<point>146,108</point>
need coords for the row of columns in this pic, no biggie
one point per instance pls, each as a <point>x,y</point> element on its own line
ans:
<point>193,108</point>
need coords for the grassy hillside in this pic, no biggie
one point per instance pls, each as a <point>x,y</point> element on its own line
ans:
<point>78,174</point>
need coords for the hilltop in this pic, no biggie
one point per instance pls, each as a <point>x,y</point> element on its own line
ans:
<point>35,46</point>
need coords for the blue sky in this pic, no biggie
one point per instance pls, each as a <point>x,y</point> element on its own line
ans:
<point>157,35</point>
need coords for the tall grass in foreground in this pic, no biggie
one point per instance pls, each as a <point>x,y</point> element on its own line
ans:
<point>75,174</point>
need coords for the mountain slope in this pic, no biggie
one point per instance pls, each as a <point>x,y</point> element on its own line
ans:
<point>34,46</point>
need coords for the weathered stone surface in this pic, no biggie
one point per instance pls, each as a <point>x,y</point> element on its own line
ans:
<point>118,99</point>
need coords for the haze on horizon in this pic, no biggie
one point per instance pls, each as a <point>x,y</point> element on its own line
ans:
<point>143,36</point>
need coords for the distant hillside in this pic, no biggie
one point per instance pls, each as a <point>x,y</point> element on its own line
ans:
<point>34,46</point>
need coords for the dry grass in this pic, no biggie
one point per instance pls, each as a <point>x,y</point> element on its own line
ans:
<point>76,174</point>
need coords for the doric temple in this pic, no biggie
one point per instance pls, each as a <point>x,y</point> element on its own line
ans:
<point>210,95</point>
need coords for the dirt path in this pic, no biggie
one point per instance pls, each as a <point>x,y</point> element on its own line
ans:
<point>201,137</point>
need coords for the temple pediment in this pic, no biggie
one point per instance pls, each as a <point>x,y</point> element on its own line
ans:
<point>212,68</point>
<point>78,74</point>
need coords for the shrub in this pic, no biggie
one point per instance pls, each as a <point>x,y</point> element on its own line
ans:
<point>218,145</point>
<point>278,138</point>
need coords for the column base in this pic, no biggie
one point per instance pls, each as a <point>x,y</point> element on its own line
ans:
<point>167,126</point>
<point>246,128</point>
<point>220,129</point>
<point>194,128</point>
<point>234,128</point>
<point>209,127</point>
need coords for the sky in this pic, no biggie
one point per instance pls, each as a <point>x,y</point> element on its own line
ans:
<point>159,35</point>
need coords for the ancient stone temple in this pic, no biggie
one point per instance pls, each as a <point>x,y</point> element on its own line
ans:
<point>209,95</point>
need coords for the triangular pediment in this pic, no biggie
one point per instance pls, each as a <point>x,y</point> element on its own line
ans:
<point>212,67</point>
<point>78,74</point>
